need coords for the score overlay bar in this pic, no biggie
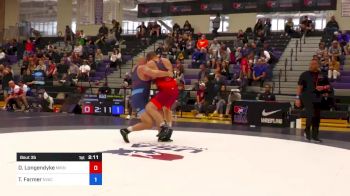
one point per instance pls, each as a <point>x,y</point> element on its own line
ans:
<point>59,169</point>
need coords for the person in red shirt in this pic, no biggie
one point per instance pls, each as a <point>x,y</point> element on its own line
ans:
<point>202,43</point>
<point>199,105</point>
<point>51,72</point>
<point>29,47</point>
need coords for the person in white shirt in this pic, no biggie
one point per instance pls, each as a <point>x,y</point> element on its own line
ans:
<point>78,49</point>
<point>17,94</point>
<point>116,59</point>
<point>2,56</point>
<point>23,87</point>
<point>84,70</point>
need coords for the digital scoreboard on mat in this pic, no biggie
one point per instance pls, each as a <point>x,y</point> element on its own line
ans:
<point>105,105</point>
<point>67,169</point>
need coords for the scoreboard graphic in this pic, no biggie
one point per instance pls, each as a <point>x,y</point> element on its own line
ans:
<point>105,105</point>
<point>66,169</point>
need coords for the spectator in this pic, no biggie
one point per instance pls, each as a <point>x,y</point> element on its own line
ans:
<point>155,29</point>
<point>141,30</point>
<point>102,33</point>
<point>334,69</point>
<point>160,50</point>
<point>182,98</point>
<point>117,30</point>
<point>46,101</point>
<point>322,50</point>
<point>29,47</point>
<point>332,25</point>
<point>335,51</point>
<point>41,66</point>
<point>68,35</point>
<point>324,64</point>
<point>78,49</point>
<point>216,24</point>
<point>179,72</point>
<point>203,73</point>
<point>200,100</point>
<point>28,78</point>
<point>267,27</point>
<point>267,95</point>
<point>306,25</point>
<point>176,29</point>
<point>73,72</point>
<point>7,76</point>
<point>214,49</point>
<point>220,101</point>
<point>289,28</point>
<point>259,72</point>
<point>51,72</point>
<point>84,71</point>
<point>343,39</point>
<point>17,95</point>
<point>202,43</point>
<point>259,27</point>
<point>190,45</point>
<point>234,96</point>
<point>241,37</point>
<point>23,87</point>
<point>98,56</point>
<point>187,28</point>
<point>116,59</point>
<point>225,71</point>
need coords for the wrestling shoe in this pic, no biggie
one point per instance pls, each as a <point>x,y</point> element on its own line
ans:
<point>125,133</point>
<point>317,140</point>
<point>167,137</point>
<point>164,131</point>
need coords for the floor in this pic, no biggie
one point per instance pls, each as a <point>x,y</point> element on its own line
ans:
<point>204,159</point>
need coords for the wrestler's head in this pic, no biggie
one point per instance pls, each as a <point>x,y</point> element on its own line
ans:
<point>141,61</point>
<point>151,56</point>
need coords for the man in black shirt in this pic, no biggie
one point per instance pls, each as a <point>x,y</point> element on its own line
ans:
<point>267,95</point>
<point>312,85</point>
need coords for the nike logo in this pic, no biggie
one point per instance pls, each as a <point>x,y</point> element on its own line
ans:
<point>264,113</point>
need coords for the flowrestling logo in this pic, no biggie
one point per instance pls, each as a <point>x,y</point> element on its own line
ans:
<point>154,151</point>
<point>240,114</point>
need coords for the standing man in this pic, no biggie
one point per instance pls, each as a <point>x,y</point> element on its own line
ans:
<point>216,24</point>
<point>311,85</point>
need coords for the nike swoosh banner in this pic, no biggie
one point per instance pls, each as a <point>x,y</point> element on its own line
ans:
<point>261,113</point>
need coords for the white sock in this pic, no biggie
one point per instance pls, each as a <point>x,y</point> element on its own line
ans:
<point>170,124</point>
<point>129,129</point>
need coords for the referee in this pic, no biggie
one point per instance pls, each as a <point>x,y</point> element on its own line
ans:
<point>311,85</point>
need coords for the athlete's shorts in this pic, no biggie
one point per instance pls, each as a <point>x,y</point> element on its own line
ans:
<point>139,100</point>
<point>165,98</point>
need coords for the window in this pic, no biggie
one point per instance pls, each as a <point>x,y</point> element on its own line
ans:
<point>224,24</point>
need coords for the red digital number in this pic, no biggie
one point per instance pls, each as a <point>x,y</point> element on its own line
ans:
<point>95,167</point>
<point>88,109</point>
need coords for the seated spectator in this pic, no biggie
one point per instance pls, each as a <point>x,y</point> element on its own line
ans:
<point>141,30</point>
<point>98,56</point>
<point>220,101</point>
<point>116,59</point>
<point>160,50</point>
<point>335,51</point>
<point>92,65</point>
<point>16,94</point>
<point>202,43</point>
<point>28,78</point>
<point>245,73</point>
<point>203,73</point>
<point>182,98</point>
<point>176,28</point>
<point>225,70</point>
<point>234,96</point>
<point>200,99</point>
<point>343,39</point>
<point>267,95</point>
<point>78,49</point>
<point>259,72</point>
<point>306,25</point>
<point>73,72</point>
<point>332,25</point>
<point>214,49</point>
<point>322,50</point>
<point>179,72</point>
<point>46,101</point>
<point>51,72</point>
<point>190,45</point>
<point>224,53</point>
<point>259,27</point>
<point>187,28</point>
<point>62,68</point>
<point>241,37</point>
<point>84,71</point>
<point>324,64</point>
<point>41,66</point>
<point>334,69</point>
<point>289,28</point>
<point>24,88</point>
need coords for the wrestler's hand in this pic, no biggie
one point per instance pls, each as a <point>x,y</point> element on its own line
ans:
<point>170,74</point>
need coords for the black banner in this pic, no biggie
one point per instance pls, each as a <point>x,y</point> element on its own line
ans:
<point>205,7</point>
<point>31,156</point>
<point>261,113</point>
